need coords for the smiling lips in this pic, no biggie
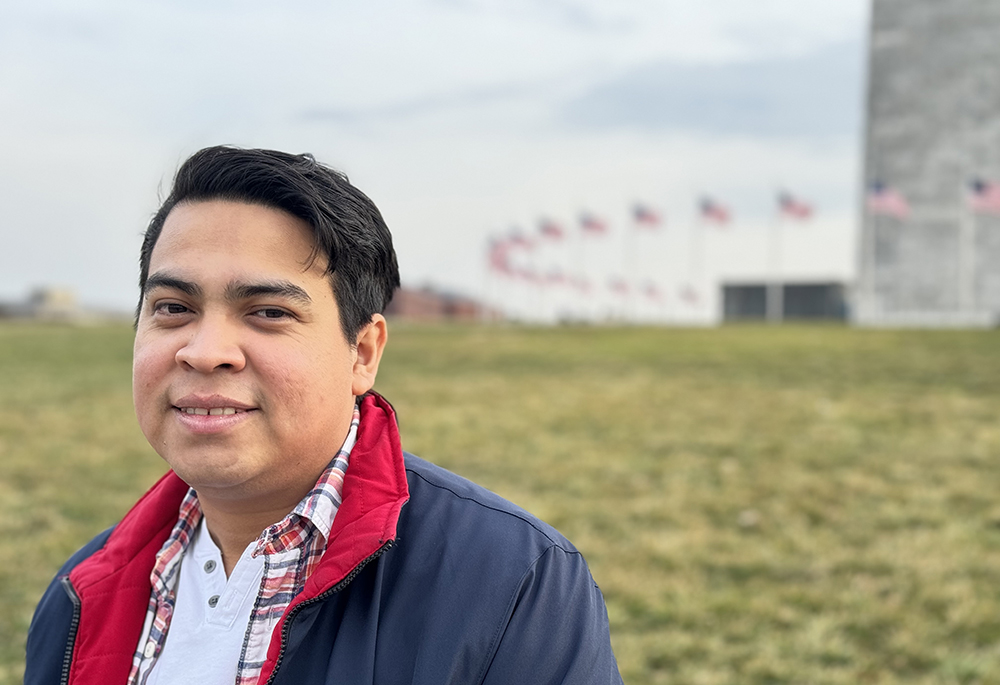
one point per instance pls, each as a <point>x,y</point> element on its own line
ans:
<point>211,414</point>
<point>214,411</point>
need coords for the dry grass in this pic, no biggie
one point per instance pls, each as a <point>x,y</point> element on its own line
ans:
<point>794,505</point>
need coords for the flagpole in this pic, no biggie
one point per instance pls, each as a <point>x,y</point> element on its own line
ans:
<point>774,304</point>
<point>628,266</point>
<point>966,256</point>
<point>575,270</point>
<point>542,303</point>
<point>669,293</point>
<point>662,270</point>
<point>697,254</point>
<point>870,220</point>
<point>488,277</point>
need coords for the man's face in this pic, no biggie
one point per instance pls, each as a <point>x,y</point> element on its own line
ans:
<point>242,378</point>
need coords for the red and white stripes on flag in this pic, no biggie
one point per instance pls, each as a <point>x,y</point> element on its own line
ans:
<point>551,229</point>
<point>500,257</point>
<point>619,286</point>
<point>884,200</point>
<point>592,224</point>
<point>713,212</point>
<point>518,239</point>
<point>652,291</point>
<point>792,207</point>
<point>527,274</point>
<point>984,197</point>
<point>645,216</point>
<point>555,277</point>
<point>689,294</point>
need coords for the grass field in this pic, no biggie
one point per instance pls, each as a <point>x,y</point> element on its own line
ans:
<point>786,505</point>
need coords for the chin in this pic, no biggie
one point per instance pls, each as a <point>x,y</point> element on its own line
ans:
<point>208,473</point>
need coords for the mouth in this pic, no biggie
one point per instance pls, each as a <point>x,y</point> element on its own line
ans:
<point>211,413</point>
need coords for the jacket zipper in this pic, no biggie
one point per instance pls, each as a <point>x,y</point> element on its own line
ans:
<point>74,624</point>
<point>319,598</point>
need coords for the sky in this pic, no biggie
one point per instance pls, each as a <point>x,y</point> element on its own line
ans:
<point>459,118</point>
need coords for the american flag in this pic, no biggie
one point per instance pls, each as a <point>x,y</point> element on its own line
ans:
<point>713,212</point>
<point>518,239</point>
<point>550,229</point>
<point>555,277</point>
<point>792,207</point>
<point>499,260</point>
<point>652,291</point>
<point>689,294</point>
<point>886,201</point>
<point>619,286</point>
<point>646,216</point>
<point>528,275</point>
<point>984,197</point>
<point>593,224</point>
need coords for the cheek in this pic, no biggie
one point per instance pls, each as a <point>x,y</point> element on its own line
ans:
<point>304,381</point>
<point>148,369</point>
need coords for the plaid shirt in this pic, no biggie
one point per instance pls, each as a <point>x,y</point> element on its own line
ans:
<point>292,548</point>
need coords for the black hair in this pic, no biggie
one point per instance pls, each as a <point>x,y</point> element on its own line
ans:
<point>347,226</point>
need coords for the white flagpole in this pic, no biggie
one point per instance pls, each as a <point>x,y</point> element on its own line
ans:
<point>629,270</point>
<point>774,304</point>
<point>967,256</point>
<point>697,255</point>
<point>576,270</point>
<point>870,220</point>
<point>488,278</point>
<point>669,284</point>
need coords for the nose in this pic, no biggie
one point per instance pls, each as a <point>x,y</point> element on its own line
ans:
<point>214,345</point>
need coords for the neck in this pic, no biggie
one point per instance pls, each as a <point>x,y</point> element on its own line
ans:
<point>234,525</point>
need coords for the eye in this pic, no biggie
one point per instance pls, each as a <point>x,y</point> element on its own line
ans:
<point>271,313</point>
<point>170,308</point>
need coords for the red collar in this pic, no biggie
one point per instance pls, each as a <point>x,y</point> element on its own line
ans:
<point>113,584</point>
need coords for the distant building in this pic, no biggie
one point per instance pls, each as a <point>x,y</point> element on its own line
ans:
<point>928,254</point>
<point>797,302</point>
<point>43,304</point>
<point>427,304</point>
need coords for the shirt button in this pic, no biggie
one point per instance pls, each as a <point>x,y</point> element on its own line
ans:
<point>209,566</point>
<point>150,650</point>
<point>213,600</point>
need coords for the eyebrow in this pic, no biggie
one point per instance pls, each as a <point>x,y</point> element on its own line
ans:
<point>235,290</point>
<point>162,280</point>
<point>238,290</point>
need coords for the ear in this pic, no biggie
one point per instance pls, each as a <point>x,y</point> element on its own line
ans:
<point>371,342</point>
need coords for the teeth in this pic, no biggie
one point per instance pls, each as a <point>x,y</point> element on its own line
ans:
<point>214,411</point>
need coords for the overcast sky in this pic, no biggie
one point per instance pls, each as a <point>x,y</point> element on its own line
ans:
<point>458,117</point>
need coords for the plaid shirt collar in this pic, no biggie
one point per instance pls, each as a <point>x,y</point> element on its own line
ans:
<point>164,575</point>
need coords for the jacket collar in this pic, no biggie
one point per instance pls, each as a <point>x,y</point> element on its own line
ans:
<point>113,584</point>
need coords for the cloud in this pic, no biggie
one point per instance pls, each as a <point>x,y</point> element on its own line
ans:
<point>428,104</point>
<point>815,95</point>
<point>566,14</point>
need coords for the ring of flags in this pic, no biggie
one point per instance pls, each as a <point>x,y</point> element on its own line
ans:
<point>982,197</point>
<point>509,256</point>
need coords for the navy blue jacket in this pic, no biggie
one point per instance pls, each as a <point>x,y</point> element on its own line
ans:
<point>457,586</point>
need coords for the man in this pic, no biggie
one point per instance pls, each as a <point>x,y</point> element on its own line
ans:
<point>293,541</point>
